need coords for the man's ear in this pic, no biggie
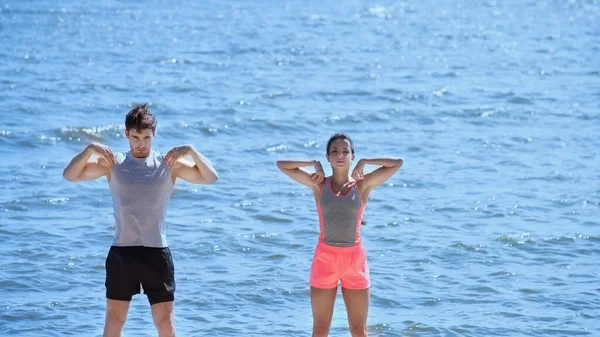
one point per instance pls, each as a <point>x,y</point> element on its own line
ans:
<point>126,133</point>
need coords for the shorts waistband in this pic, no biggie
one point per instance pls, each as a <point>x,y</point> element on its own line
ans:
<point>138,248</point>
<point>340,249</point>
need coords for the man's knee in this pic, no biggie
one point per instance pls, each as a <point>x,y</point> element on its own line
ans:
<point>165,326</point>
<point>116,317</point>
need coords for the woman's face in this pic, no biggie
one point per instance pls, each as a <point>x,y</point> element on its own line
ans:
<point>340,154</point>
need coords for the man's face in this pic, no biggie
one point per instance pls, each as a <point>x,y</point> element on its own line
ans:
<point>140,142</point>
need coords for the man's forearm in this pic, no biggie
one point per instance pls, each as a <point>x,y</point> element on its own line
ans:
<point>77,165</point>
<point>204,166</point>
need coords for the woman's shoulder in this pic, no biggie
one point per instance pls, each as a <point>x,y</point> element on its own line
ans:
<point>361,184</point>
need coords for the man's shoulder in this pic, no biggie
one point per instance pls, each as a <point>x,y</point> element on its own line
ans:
<point>120,157</point>
<point>159,156</point>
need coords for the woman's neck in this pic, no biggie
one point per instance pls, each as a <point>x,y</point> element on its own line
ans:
<point>340,177</point>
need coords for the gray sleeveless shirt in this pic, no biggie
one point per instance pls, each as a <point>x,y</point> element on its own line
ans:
<point>141,189</point>
<point>340,216</point>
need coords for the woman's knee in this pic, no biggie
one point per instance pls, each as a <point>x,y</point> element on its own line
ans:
<point>321,329</point>
<point>358,330</point>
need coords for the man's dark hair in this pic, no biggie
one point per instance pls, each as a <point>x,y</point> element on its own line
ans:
<point>139,118</point>
<point>337,136</point>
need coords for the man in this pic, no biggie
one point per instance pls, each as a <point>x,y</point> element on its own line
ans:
<point>141,182</point>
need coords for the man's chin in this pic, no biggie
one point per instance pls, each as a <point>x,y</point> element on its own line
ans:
<point>141,154</point>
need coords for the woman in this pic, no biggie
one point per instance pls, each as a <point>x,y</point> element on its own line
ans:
<point>340,255</point>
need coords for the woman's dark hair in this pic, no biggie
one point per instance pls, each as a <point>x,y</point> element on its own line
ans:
<point>337,136</point>
<point>139,118</point>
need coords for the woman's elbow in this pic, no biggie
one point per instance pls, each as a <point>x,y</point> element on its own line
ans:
<point>68,176</point>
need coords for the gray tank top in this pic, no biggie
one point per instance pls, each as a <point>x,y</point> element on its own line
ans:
<point>141,189</point>
<point>340,216</point>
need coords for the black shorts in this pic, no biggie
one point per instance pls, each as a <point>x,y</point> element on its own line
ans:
<point>129,267</point>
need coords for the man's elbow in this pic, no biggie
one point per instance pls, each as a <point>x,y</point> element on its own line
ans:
<point>211,179</point>
<point>214,179</point>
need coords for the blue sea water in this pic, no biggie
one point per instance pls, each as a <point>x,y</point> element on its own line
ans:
<point>490,229</point>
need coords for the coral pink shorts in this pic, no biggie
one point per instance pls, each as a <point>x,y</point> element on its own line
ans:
<point>332,264</point>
